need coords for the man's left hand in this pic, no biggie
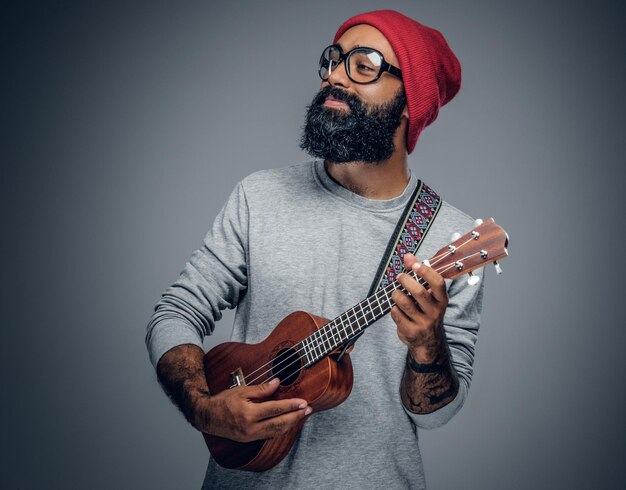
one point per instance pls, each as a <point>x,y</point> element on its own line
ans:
<point>419,317</point>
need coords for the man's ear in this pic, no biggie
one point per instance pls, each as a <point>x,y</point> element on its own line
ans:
<point>405,113</point>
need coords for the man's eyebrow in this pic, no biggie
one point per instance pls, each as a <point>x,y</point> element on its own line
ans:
<point>353,47</point>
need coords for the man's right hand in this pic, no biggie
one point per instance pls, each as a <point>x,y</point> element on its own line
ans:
<point>244,414</point>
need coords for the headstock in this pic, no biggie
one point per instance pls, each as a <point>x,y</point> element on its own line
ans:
<point>485,243</point>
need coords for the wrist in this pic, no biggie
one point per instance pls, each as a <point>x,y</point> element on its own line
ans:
<point>431,348</point>
<point>426,353</point>
<point>431,367</point>
<point>199,416</point>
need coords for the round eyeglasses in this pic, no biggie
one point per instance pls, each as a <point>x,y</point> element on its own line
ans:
<point>363,65</point>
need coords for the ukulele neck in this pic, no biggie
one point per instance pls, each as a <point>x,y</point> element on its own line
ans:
<point>351,322</point>
<point>487,242</point>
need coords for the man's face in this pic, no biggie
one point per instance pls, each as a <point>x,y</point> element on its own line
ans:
<point>379,92</point>
<point>354,122</point>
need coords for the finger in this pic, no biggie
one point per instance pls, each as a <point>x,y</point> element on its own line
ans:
<point>421,296</point>
<point>271,409</point>
<point>409,260</point>
<point>400,319</point>
<point>407,305</point>
<point>260,391</point>
<point>434,279</point>
<point>278,426</point>
<point>406,330</point>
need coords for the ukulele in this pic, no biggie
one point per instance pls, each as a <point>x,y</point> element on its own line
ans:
<point>305,351</point>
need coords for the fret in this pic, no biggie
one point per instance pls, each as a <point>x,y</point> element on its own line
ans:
<point>344,327</point>
<point>312,345</point>
<point>330,337</point>
<point>305,350</point>
<point>326,342</point>
<point>339,329</point>
<point>387,297</point>
<point>316,343</point>
<point>352,311</point>
<point>352,331</point>
<point>382,310</point>
<point>377,305</point>
<point>372,316</point>
<point>364,316</point>
<point>337,341</point>
<point>370,310</point>
<point>309,349</point>
<point>328,333</point>
<point>388,302</point>
<point>366,312</point>
<point>322,334</point>
<point>394,287</point>
<point>343,333</point>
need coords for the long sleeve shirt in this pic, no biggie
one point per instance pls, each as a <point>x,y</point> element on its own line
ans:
<point>293,239</point>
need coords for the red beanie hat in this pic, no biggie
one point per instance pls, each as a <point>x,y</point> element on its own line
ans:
<point>430,71</point>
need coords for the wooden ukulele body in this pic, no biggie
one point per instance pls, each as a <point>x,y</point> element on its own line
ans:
<point>324,385</point>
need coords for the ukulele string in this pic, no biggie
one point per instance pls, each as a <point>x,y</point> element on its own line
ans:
<point>352,315</point>
<point>298,351</point>
<point>444,255</point>
<point>432,261</point>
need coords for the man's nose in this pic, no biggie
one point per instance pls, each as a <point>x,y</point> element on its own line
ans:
<point>338,75</point>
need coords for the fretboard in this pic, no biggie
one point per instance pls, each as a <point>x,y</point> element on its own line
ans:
<point>351,322</point>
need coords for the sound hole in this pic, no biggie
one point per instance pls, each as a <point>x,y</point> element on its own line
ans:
<point>286,366</point>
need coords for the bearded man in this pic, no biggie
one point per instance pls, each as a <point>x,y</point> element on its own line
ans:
<point>310,237</point>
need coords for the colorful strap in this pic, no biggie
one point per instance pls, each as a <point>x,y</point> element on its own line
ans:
<point>411,229</point>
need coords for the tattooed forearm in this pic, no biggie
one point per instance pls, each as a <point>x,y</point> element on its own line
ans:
<point>181,374</point>
<point>427,387</point>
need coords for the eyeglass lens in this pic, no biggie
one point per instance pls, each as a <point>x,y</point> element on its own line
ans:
<point>362,64</point>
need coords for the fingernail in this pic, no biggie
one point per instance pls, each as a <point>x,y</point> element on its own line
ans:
<point>308,411</point>
<point>302,405</point>
<point>416,266</point>
<point>273,381</point>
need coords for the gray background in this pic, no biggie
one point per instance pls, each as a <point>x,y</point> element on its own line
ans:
<point>126,125</point>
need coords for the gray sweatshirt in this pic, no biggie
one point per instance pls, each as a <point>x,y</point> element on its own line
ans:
<point>293,239</point>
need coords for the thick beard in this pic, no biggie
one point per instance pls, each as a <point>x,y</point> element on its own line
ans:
<point>358,135</point>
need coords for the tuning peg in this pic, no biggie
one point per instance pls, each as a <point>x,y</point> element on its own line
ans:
<point>472,280</point>
<point>498,268</point>
<point>455,236</point>
<point>478,222</point>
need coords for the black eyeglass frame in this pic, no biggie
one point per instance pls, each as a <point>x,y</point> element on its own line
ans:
<point>384,66</point>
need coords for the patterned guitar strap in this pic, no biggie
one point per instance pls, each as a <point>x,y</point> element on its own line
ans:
<point>412,227</point>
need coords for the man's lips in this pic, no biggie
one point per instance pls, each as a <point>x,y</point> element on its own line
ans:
<point>332,102</point>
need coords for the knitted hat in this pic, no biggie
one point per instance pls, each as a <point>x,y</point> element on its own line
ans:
<point>430,71</point>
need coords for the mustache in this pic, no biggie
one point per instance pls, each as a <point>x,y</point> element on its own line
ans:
<point>352,100</point>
